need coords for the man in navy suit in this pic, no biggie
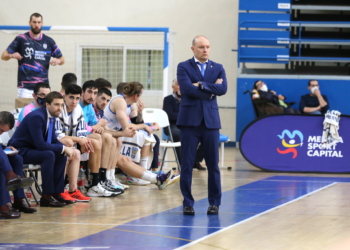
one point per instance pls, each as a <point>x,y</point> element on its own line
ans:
<point>37,143</point>
<point>201,81</point>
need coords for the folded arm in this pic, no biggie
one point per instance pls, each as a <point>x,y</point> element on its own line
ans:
<point>219,87</point>
<point>187,87</point>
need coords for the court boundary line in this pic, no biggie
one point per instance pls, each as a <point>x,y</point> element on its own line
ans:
<point>115,225</point>
<point>253,217</point>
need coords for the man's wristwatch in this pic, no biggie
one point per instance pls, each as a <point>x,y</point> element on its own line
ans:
<point>200,85</point>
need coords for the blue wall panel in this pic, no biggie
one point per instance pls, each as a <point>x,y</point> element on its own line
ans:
<point>264,37</point>
<point>335,90</point>
<point>265,5</point>
<point>263,55</point>
<point>263,20</point>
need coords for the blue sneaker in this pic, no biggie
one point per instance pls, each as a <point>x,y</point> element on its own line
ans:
<point>164,180</point>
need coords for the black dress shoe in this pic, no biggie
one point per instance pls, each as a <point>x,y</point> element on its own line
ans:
<point>23,207</point>
<point>198,166</point>
<point>51,203</point>
<point>12,214</point>
<point>18,182</point>
<point>213,209</point>
<point>59,198</point>
<point>188,211</point>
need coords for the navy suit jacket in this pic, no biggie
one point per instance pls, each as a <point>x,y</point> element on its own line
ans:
<point>31,134</point>
<point>199,104</point>
<point>171,106</point>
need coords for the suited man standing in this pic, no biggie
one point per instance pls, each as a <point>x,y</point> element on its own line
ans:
<point>37,143</point>
<point>201,82</point>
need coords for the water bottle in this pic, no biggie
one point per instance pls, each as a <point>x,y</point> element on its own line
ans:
<point>81,179</point>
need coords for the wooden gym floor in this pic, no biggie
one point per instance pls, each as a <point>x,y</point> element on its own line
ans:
<point>259,210</point>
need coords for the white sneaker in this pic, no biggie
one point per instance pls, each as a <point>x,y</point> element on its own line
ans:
<point>135,181</point>
<point>118,183</point>
<point>113,185</point>
<point>96,191</point>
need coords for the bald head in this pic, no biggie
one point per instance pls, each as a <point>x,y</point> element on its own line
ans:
<point>196,39</point>
<point>201,48</point>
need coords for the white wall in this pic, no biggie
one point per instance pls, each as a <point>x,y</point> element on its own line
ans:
<point>217,20</point>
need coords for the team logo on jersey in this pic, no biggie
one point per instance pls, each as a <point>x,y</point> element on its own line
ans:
<point>292,142</point>
<point>29,52</point>
<point>134,151</point>
<point>45,46</point>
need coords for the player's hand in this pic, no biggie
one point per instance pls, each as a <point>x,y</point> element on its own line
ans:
<point>156,126</point>
<point>67,142</point>
<point>16,55</point>
<point>55,61</point>
<point>140,106</point>
<point>148,129</point>
<point>195,84</point>
<point>219,81</point>
<point>86,145</point>
<point>273,92</point>
<point>97,129</point>
<point>129,132</point>
<point>69,151</point>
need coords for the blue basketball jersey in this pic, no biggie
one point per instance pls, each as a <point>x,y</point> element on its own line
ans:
<point>36,53</point>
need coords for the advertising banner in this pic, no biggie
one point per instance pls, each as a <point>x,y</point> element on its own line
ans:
<point>292,143</point>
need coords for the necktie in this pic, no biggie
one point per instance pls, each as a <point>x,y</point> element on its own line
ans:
<point>50,129</point>
<point>202,67</point>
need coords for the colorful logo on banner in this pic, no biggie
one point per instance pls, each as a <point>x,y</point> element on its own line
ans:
<point>290,140</point>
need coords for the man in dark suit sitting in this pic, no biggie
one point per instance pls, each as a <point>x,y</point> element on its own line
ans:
<point>37,143</point>
<point>171,105</point>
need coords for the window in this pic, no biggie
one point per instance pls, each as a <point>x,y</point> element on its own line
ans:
<point>123,64</point>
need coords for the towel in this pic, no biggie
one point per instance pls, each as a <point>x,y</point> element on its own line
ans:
<point>78,124</point>
<point>330,135</point>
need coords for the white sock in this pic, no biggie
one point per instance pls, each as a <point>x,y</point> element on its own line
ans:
<point>149,176</point>
<point>112,174</point>
<point>108,174</point>
<point>143,162</point>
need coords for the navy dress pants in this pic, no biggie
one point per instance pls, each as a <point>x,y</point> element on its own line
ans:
<point>52,168</point>
<point>209,138</point>
<point>4,168</point>
<point>16,162</point>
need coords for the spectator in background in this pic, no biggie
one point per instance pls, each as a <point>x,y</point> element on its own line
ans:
<point>67,79</point>
<point>314,103</point>
<point>171,105</point>
<point>273,103</point>
<point>41,90</point>
<point>33,50</point>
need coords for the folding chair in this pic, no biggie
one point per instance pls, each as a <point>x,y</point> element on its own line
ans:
<point>160,116</point>
<point>222,140</point>
<point>33,171</point>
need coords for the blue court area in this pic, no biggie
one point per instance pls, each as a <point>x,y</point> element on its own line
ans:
<point>171,229</point>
